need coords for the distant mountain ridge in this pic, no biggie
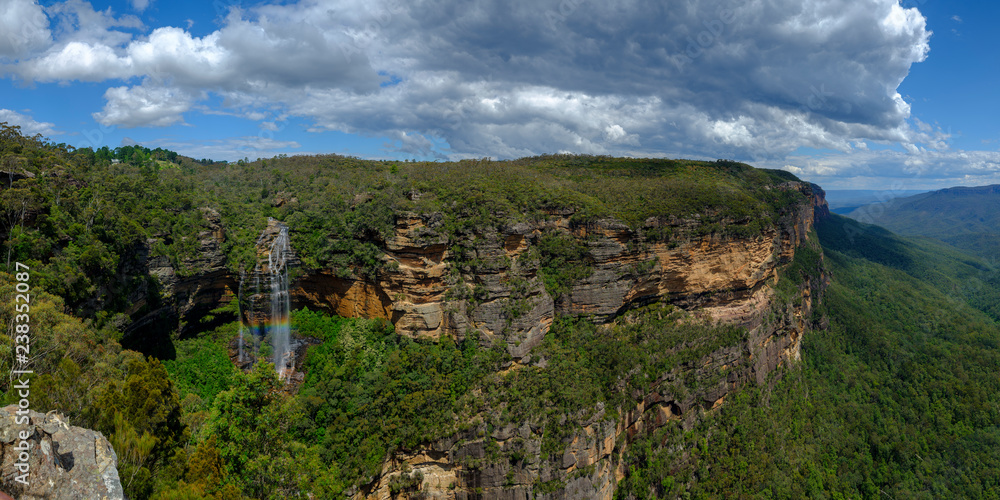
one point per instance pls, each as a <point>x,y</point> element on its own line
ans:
<point>844,201</point>
<point>965,217</point>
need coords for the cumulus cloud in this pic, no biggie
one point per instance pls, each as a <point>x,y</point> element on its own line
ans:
<point>140,5</point>
<point>76,20</point>
<point>24,28</point>
<point>501,78</point>
<point>29,125</point>
<point>130,107</point>
<point>903,170</point>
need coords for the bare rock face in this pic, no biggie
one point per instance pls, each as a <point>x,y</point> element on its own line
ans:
<point>488,281</point>
<point>64,462</point>
<point>819,203</point>
<point>182,297</point>
<point>591,464</point>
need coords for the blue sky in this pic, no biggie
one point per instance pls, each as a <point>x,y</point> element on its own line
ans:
<point>956,85</point>
<point>851,94</point>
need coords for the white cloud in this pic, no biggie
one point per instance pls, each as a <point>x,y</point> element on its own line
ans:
<point>140,5</point>
<point>24,28</point>
<point>144,106</point>
<point>29,126</point>
<point>79,61</point>
<point>745,80</point>
<point>876,169</point>
<point>76,20</point>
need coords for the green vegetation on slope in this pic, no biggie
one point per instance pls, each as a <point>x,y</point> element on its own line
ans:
<point>83,372</point>
<point>967,218</point>
<point>84,221</point>
<point>898,399</point>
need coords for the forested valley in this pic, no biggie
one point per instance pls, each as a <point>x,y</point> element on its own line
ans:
<point>888,386</point>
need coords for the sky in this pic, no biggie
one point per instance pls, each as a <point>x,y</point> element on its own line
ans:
<point>850,94</point>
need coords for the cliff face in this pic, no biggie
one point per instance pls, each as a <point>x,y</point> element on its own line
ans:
<point>171,303</point>
<point>591,461</point>
<point>492,281</point>
<point>495,286</point>
<point>725,279</point>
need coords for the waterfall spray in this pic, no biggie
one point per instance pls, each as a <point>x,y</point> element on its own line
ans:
<point>255,330</point>
<point>239,313</point>
<point>280,302</point>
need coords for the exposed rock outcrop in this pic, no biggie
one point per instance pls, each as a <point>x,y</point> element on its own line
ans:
<point>494,287</point>
<point>591,462</point>
<point>10,176</point>
<point>64,462</point>
<point>175,301</point>
<point>821,208</point>
<point>434,283</point>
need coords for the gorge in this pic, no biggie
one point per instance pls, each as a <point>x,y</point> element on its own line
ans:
<point>550,327</point>
<point>491,284</point>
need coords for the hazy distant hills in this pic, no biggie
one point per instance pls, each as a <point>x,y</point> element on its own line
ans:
<point>845,201</point>
<point>967,218</point>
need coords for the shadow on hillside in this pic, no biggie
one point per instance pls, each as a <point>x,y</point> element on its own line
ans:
<point>864,241</point>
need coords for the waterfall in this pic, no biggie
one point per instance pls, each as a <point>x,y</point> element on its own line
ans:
<point>274,324</point>
<point>239,313</point>
<point>280,302</point>
<point>255,329</point>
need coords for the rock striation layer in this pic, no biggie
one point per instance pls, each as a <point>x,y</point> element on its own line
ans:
<point>489,281</point>
<point>65,462</point>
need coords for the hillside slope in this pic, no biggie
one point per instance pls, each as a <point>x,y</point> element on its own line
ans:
<point>550,327</point>
<point>967,218</point>
<point>521,322</point>
<point>897,398</point>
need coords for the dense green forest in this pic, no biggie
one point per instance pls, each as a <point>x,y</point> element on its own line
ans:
<point>897,397</point>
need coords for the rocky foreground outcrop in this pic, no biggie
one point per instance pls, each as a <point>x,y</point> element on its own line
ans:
<point>63,462</point>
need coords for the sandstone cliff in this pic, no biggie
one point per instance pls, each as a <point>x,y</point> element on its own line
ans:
<point>434,283</point>
<point>724,279</point>
<point>491,281</point>
<point>494,287</point>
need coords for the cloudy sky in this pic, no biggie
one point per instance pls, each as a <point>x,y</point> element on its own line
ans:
<point>865,94</point>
